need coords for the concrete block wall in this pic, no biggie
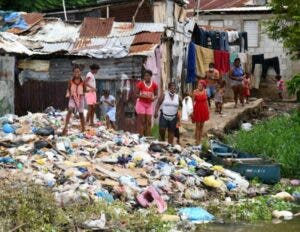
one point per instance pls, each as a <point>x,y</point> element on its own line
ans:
<point>270,48</point>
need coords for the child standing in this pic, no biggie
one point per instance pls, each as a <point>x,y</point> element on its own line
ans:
<point>75,94</point>
<point>109,109</point>
<point>246,88</point>
<point>219,96</point>
<point>280,86</point>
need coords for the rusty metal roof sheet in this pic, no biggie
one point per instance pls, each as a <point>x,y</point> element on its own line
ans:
<point>147,38</point>
<point>96,27</point>
<point>127,29</point>
<point>31,19</point>
<point>143,49</point>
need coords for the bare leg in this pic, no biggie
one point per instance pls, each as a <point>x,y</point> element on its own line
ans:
<point>113,125</point>
<point>162,134</point>
<point>220,107</point>
<point>201,124</point>
<point>68,117</point>
<point>170,136</point>
<point>107,122</point>
<point>235,95</point>
<point>93,107</point>
<point>88,115</point>
<point>82,122</point>
<point>141,123</point>
<point>197,133</point>
<point>241,94</point>
<point>148,125</point>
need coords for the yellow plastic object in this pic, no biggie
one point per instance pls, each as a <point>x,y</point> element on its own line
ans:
<point>41,161</point>
<point>211,181</point>
<point>217,168</point>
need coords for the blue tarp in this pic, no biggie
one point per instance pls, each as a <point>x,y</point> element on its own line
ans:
<point>11,20</point>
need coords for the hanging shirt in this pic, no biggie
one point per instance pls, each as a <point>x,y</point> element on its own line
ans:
<point>204,56</point>
<point>90,80</point>
<point>147,90</point>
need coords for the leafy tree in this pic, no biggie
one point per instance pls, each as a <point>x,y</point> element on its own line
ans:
<point>285,26</point>
<point>41,5</point>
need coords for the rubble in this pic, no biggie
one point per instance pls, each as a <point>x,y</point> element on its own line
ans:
<point>108,165</point>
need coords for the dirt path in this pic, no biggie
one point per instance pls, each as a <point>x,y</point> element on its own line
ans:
<point>220,123</point>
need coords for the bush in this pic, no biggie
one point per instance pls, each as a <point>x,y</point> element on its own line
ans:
<point>276,138</point>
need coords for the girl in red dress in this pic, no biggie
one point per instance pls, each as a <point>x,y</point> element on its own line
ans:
<point>201,112</point>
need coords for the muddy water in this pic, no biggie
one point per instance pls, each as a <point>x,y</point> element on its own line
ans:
<point>286,226</point>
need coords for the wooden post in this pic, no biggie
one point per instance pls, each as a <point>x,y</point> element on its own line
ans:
<point>136,11</point>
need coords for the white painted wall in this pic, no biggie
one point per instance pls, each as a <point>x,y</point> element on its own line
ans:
<point>267,46</point>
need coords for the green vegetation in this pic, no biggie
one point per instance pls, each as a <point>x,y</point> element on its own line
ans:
<point>285,25</point>
<point>155,131</point>
<point>250,210</point>
<point>42,5</point>
<point>277,138</point>
<point>33,208</point>
<point>293,86</point>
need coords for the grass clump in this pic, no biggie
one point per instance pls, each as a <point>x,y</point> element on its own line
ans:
<point>250,210</point>
<point>29,207</point>
<point>277,138</point>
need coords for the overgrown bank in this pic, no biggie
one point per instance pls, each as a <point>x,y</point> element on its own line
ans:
<point>276,138</point>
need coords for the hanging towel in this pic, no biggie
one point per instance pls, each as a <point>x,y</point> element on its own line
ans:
<point>233,56</point>
<point>204,56</point>
<point>257,75</point>
<point>243,58</point>
<point>187,108</point>
<point>221,60</point>
<point>191,64</point>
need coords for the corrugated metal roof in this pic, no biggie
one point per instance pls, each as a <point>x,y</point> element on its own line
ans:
<point>95,27</point>
<point>127,29</point>
<point>31,19</point>
<point>147,38</point>
<point>55,31</point>
<point>55,47</point>
<point>111,48</point>
<point>241,9</point>
<point>143,49</point>
<point>9,43</point>
<point>214,4</point>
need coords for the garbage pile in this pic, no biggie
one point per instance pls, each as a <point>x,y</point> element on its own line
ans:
<point>109,165</point>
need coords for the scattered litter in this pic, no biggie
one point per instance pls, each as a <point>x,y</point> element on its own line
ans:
<point>196,215</point>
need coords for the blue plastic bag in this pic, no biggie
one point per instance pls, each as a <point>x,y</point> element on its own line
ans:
<point>7,128</point>
<point>196,214</point>
<point>6,160</point>
<point>105,195</point>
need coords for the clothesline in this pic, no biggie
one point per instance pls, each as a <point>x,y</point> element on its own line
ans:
<point>208,27</point>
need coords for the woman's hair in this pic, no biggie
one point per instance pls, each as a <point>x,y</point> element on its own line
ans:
<point>147,71</point>
<point>105,92</point>
<point>76,66</point>
<point>171,84</point>
<point>237,59</point>
<point>94,67</point>
<point>278,77</point>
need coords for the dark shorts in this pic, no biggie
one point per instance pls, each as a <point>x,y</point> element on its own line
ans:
<point>166,124</point>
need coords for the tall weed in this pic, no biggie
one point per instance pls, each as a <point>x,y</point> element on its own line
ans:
<point>277,138</point>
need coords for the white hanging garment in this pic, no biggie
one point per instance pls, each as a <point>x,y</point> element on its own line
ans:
<point>187,108</point>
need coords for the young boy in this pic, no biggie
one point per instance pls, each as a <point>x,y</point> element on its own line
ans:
<point>109,109</point>
<point>219,96</point>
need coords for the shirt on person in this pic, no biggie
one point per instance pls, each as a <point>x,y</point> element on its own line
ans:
<point>90,80</point>
<point>280,85</point>
<point>147,90</point>
<point>212,77</point>
<point>106,106</point>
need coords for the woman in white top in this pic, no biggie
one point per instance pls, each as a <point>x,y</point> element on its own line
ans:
<point>168,104</point>
<point>90,95</point>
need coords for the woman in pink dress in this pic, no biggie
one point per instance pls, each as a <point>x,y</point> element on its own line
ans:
<point>201,111</point>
